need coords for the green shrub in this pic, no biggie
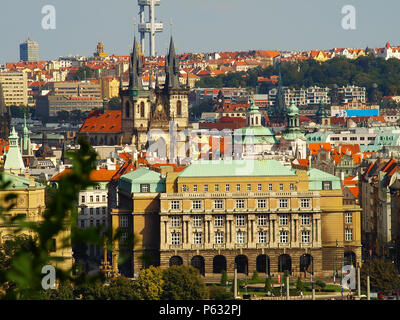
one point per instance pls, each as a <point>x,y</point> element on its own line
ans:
<point>268,285</point>
<point>219,293</point>
<point>256,276</point>
<point>320,283</point>
<point>224,278</point>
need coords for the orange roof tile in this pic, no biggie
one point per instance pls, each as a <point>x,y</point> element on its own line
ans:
<point>110,121</point>
<point>101,174</point>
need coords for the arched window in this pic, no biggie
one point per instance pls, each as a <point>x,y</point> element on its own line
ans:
<point>198,263</point>
<point>219,264</point>
<point>262,264</point>
<point>306,263</point>
<point>142,109</point>
<point>284,263</point>
<point>242,264</point>
<point>350,258</point>
<point>127,109</point>
<point>175,261</point>
<point>179,108</point>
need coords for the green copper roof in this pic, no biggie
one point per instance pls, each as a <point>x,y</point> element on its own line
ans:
<point>255,135</point>
<point>317,137</point>
<point>387,139</point>
<point>317,177</point>
<point>293,135</point>
<point>13,157</point>
<point>254,131</point>
<point>142,175</point>
<point>234,168</point>
<point>292,110</point>
<point>131,181</point>
<point>253,109</point>
<point>18,182</point>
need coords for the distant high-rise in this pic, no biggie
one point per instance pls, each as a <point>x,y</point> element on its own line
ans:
<point>29,51</point>
<point>151,27</point>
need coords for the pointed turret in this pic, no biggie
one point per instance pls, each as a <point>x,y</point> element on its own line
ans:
<point>14,162</point>
<point>171,69</point>
<point>135,69</point>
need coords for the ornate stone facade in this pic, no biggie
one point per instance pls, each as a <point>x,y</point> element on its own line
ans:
<point>147,114</point>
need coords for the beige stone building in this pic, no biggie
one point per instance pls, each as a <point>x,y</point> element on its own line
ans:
<point>15,88</point>
<point>270,219</point>
<point>257,214</point>
<point>76,89</point>
<point>30,204</point>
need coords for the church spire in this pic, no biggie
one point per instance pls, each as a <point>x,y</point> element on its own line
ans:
<point>135,68</point>
<point>171,69</point>
<point>14,160</point>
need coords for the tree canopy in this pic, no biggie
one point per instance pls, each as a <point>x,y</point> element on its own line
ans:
<point>363,71</point>
<point>384,276</point>
<point>183,283</point>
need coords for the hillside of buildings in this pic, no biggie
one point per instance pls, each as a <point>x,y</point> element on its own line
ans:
<point>363,71</point>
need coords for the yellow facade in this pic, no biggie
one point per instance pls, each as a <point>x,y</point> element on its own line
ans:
<point>109,88</point>
<point>202,217</point>
<point>30,203</point>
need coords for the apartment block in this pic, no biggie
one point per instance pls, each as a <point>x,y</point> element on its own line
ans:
<point>15,88</point>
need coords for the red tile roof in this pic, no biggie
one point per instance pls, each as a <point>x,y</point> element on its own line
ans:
<point>316,146</point>
<point>101,174</point>
<point>110,121</point>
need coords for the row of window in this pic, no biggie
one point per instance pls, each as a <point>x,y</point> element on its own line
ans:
<point>238,188</point>
<point>176,238</point>
<point>305,219</point>
<point>92,223</point>
<point>98,210</point>
<point>352,138</point>
<point>94,198</point>
<point>239,204</point>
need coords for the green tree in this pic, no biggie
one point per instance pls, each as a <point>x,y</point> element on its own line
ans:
<point>256,276</point>
<point>120,288</point>
<point>149,284</point>
<point>91,290</point>
<point>299,285</point>
<point>384,276</point>
<point>205,106</point>
<point>183,283</point>
<point>20,111</point>
<point>224,278</point>
<point>268,285</point>
<point>60,216</point>
<point>83,73</point>
<point>65,291</point>
<point>219,293</point>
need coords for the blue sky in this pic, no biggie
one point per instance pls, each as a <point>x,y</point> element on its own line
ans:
<point>198,25</point>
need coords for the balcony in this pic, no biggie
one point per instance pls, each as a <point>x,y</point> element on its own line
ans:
<point>148,2</point>
<point>220,246</point>
<point>175,246</point>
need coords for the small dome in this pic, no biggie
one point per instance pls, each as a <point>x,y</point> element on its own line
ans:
<point>293,110</point>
